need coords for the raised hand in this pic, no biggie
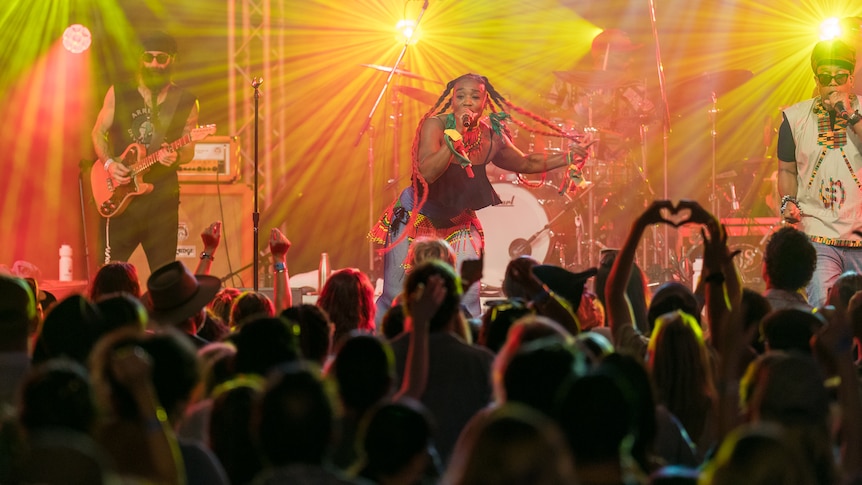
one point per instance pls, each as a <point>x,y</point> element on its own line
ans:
<point>131,366</point>
<point>426,300</point>
<point>279,244</point>
<point>211,236</point>
<point>656,213</point>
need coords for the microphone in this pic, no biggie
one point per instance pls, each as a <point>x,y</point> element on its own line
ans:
<point>466,119</point>
<point>840,110</point>
<point>734,201</point>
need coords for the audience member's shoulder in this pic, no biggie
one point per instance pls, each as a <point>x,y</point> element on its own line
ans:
<point>300,474</point>
<point>453,345</point>
<point>202,466</point>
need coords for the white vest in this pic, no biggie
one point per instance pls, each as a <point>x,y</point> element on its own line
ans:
<point>829,190</point>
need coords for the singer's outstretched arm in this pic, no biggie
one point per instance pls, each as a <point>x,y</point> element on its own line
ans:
<point>511,159</point>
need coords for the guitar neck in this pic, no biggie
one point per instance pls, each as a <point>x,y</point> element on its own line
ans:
<point>143,165</point>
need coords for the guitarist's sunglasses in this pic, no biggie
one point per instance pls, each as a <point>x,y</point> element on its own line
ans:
<point>161,58</point>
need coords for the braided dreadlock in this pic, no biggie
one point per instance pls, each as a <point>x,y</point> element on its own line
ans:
<point>419,183</point>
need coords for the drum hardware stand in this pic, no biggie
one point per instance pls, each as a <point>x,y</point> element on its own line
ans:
<point>579,235</point>
<point>642,172</point>
<point>713,198</point>
<point>590,129</point>
<point>524,247</point>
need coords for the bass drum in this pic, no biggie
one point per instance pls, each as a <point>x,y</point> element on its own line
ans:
<point>529,222</point>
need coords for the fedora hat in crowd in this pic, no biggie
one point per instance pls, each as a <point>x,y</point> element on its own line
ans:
<point>175,294</point>
<point>564,283</point>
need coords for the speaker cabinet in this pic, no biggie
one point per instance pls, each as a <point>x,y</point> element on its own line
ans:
<point>201,205</point>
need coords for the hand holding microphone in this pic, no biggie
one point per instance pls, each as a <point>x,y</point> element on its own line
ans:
<point>840,110</point>
<point>457,145</point>
<point>840,101</point>
<point>853,117</point>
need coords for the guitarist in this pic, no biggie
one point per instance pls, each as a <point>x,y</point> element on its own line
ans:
<point>128,116</point>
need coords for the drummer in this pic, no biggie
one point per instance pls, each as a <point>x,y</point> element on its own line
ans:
<point>609,99</point>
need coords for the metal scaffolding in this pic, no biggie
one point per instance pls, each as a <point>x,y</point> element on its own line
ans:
<point>256,48</point>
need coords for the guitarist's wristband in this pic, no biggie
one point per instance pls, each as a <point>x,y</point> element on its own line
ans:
<point>108,163</point>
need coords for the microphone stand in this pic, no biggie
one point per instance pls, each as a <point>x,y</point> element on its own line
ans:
<point>367,125</point>
<point>665,119</point>
<point>255,217</point>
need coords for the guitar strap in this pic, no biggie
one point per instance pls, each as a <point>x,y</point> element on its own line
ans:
<point>162,116</point>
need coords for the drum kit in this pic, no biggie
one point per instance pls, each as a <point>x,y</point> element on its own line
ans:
<point>614,113</point>
<point>611,114</point>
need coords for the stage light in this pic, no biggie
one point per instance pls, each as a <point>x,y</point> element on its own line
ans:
<point>406,30</point>
<point>77,38</point>
<point>830,29</point>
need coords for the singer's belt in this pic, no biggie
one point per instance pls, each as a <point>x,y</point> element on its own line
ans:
<point>831,241</point>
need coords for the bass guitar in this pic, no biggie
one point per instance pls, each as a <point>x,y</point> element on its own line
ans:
<point>112,199</point>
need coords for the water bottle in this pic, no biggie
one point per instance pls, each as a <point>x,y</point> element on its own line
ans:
<point>322,271</point>
<point>65,262</point>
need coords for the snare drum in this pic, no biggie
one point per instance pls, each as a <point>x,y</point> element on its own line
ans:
<point>529,222</point>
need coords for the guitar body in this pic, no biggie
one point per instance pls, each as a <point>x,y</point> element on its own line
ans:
<point>112,200</point>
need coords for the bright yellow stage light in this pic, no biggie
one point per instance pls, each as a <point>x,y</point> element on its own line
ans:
<point>830,29</point>
<point>406,30</point>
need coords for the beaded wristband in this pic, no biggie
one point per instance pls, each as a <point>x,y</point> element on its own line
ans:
<point>785,199</point>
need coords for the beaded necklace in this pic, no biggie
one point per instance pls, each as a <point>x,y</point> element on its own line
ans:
<point>829,136</point>
<point>473,139</point>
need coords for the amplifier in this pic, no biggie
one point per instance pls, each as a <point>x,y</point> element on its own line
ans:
<point>217,160</point>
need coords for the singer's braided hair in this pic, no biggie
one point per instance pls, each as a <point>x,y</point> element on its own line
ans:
<point>444,102</point>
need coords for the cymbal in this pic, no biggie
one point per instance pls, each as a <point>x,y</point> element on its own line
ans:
<point>418,94</point>
<point>601,132</point>
<point>594,79</point>
<point>401,72</point>
<point>701,88</point>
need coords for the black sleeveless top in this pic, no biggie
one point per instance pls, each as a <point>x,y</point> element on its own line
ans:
<point>454,192</point>
<point>133,124</point>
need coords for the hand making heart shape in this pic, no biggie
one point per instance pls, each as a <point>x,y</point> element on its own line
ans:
<point>685,212</point>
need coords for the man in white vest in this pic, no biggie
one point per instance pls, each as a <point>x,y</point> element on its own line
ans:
<point>819,167</point>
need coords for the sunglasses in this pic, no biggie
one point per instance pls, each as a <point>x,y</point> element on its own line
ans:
<point>825,79</point>
<point>161,58</point>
